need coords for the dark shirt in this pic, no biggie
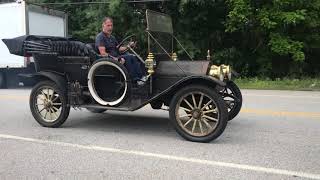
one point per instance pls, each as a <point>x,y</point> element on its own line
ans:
<point>110,43</point>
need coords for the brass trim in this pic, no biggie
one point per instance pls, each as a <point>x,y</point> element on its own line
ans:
<point>149,64</point>
<point>174,56</point>
<point>208,55</point>
<point>221,72</point>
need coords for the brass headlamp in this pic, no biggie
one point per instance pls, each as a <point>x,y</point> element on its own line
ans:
<point>226,71</point>
<point>216,72</point>
<point>220,72</point>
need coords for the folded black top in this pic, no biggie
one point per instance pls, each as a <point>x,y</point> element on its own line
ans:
<point>28,45</point>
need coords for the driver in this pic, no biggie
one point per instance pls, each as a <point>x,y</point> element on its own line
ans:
<point>109,46</point>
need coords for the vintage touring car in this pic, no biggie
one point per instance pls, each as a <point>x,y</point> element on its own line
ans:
<point>200,96</point>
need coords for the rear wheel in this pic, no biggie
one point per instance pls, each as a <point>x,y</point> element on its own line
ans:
<point>48,104</point>
<point>198,113</point>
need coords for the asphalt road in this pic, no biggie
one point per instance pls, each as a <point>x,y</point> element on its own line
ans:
<point>275,136</point>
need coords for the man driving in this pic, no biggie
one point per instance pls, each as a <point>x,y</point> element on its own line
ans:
<point>109,46</point>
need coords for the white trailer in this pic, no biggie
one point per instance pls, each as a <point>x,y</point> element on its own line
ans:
<point>18,19</point>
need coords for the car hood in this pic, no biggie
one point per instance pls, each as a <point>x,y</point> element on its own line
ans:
<point>182,68</point>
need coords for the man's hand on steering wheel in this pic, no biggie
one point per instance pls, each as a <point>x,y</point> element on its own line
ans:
<point>129,45</point>
<point>124,45</point>
<point>132,44</point>
<point>122,60</point>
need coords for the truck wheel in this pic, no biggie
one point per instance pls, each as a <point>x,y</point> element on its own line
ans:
<point>233,98</point>
<point>198,113</point>
<point>2,81</point>
<point>48,104</point>
<point>96,110</point>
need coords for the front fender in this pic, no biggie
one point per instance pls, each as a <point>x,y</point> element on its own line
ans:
<point>197,79</point>
<point>208,79</point>
<point>205,80</point>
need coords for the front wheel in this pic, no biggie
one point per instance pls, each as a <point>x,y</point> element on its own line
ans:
<point>48,104</point>
<point>198,113</point>
<point>233,98</point>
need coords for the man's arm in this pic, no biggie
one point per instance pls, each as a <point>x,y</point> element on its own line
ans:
<point>100,44</point>
<point>102,51</point>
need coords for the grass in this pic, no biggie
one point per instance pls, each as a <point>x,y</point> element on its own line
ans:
<point>303,84</point>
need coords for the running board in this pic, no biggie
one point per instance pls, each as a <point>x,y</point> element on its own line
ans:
<point>107,107</point>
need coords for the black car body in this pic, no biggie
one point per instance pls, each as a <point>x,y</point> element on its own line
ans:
<point>201,96</point>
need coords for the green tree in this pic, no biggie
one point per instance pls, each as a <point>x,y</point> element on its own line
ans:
<point>281,30</point>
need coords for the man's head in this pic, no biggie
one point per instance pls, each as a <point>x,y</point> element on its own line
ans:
<point>107,25</point>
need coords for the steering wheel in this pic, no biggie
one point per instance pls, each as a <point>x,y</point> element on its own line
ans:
<point>126,42</point>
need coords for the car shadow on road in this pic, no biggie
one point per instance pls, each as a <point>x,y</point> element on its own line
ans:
<point>150,125</point>
<point>115,122</point>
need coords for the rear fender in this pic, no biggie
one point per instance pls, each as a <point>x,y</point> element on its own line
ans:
<point>59,79</point>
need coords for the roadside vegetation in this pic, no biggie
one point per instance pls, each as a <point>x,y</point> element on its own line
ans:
<point>302,84</point>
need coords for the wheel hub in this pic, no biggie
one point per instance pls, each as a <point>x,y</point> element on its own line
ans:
<point>47,104</point>
<point>197,114</point>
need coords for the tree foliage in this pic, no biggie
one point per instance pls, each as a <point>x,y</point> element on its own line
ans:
<point>283,31</point>
<point>257,37</point>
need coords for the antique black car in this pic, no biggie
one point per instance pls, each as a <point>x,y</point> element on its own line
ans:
<point>200,96</point>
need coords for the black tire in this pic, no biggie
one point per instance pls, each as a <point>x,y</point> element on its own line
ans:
<point>222,113</point>
<point>59,104</point>
<point>96,110</point>
<point>233,99</point>
<point>2,80</point>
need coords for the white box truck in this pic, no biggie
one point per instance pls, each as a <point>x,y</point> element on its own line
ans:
<point>20,18</point>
